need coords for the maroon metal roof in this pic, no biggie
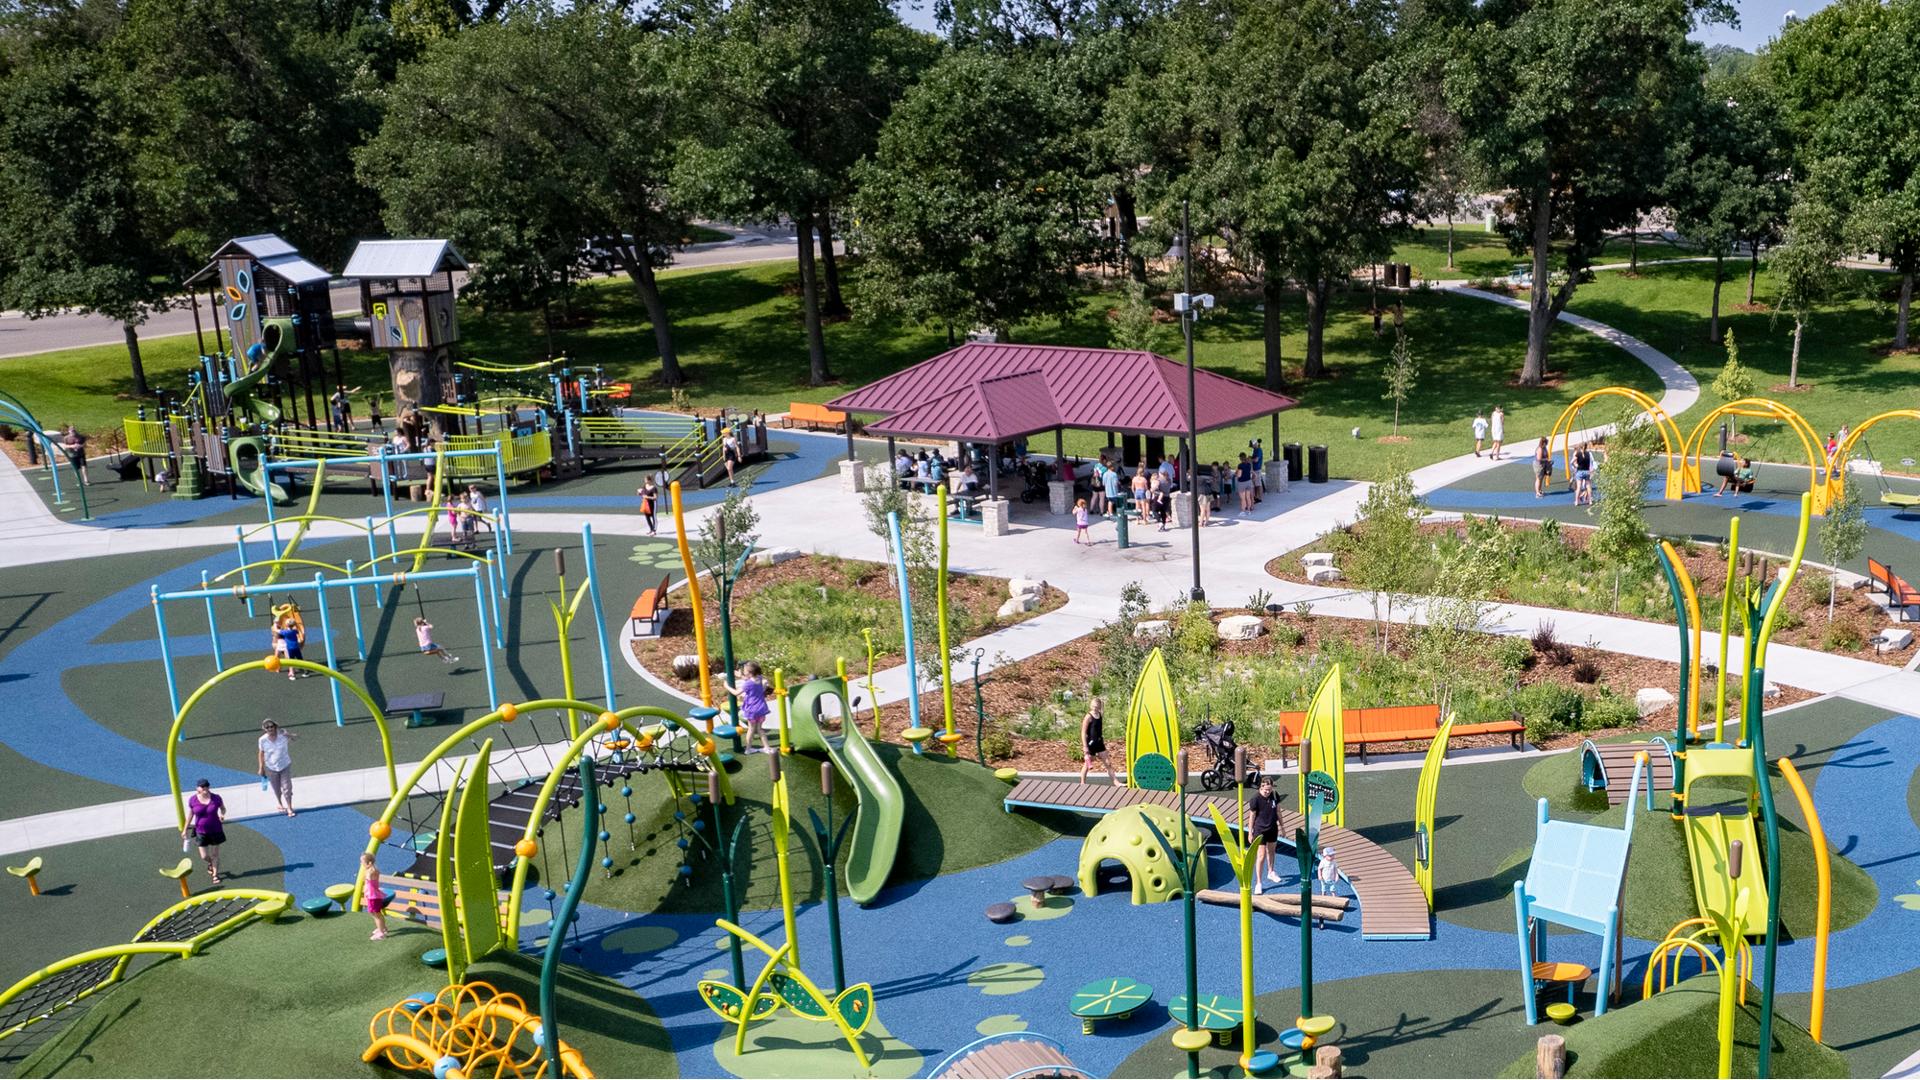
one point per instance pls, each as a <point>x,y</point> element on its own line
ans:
<point>982,391</point>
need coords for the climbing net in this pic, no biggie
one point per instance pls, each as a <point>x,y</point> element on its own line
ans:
<point>467,1029</point>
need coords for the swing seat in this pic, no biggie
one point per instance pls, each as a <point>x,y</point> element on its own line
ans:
<point>1900,499</point>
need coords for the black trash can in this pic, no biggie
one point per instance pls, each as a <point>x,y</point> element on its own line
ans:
<point>1291,454</point>
<point>1316,464</point>
<point>1406,275</point>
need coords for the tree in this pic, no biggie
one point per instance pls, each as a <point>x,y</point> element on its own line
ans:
<point>1735,380</point>
<point>789,94</point>
<point>1133,321</point>
<point>1567,106</point>
<point>1453,640</point>
<point>971,211</point>
<point>74,230</point>
<point>1843,533</point>
<point>1848,79</point>
<point>1294,137</point>
<point>1620,487</point>
<point>518,138</point>
<point>1729,178</point>
<point>1804,266</point>
<point>1382,547</point>
<point>1402,370</point>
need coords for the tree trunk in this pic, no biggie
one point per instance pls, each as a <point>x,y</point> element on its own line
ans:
<point>640,270</point>
<point>1449,239</point>
<point>1833,590</point>
<point>1793,366</point>
<point>1906,305</point>
<point>1272,292</point>
<point>1633,252</point>
<point>140,370</point>
<point>836,305</point>
<point>1127,212</point>
<point>1753,268</point>
<point>1316,362</point>
<point>818,375</point>
<point>1540,306</point>
<point>1713,320</point>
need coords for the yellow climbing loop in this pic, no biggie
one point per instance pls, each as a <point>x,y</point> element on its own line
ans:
<point>469,1029</point>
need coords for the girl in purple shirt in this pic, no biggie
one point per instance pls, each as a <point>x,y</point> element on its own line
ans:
<point>752,693</point>
<point>206,822</point>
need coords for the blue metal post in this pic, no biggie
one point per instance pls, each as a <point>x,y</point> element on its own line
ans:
<point>372,554</point>
<point>353,600</point>
<point>486,654</point>
<point>493,600</point>
<point>240,545</point>
<point>166,654</point>
<point>326,637</point>
<point>906,621</point>
<point>213,627</point>
<point>502,531</point>
<point>386,498</point>
<point>599,617</point>
<point>273,528</point>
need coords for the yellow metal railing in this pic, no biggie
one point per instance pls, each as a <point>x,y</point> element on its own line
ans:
<point>617,431</point>
<point>148,438</point>
<point>299,445</point>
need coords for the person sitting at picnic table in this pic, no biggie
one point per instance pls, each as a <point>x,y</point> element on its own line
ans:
<point>964,482</point>
<point>903,465</point>
<point>936,468</point>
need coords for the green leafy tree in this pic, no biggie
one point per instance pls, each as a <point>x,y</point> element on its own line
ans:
<point>1735,380</point>
<point>1402,372</point>
<point>1287,126</point>
<point>1848,79</point>
<point>789,95</point>
<point>520,137</point>
<point>1133,324</point>
<point>1620,486</point>
<point>1568,107</point>
<point>1382,550</point>
<point>1452,644</point>
<point>1843,534</point>
<point>1729,178</point>
<point>971,211</point>
<point>1804,266</point>
<point>74,228</point>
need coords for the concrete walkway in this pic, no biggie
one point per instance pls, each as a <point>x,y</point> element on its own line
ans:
<point>817,516</point>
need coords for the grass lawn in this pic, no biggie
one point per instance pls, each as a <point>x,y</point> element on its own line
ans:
<point>1481,254</point>
<point>1846,374</point>
<point>741,342</point>
<point>314,1023</point>
<point>968,830</point>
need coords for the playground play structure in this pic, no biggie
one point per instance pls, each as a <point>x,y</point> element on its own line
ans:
<point>1827,476</point>
<point>272,328</point>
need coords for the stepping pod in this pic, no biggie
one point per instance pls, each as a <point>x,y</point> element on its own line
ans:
<point>31,872</point>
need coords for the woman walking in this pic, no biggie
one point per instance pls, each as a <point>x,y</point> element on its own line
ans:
<point>1583,476</point>
<point>276,763</point>
<point>1093,741</point>
<point>1542,467</point>
<point>206,825</point>
<point>649,505</point>
<point>1243,483</point>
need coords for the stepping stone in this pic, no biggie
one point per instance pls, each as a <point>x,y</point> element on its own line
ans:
<point>1062,885</point>
<point>1560,1012</point>
<point>1002,912</point>
<point>316,906</point>
<point>1010,775</point>
<point>1039,887</point>
<point>434,958</point>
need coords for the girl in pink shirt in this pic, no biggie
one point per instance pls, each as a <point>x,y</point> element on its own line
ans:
<point>376,899</point>
<point>1080,522</point>
<point>423,630</point>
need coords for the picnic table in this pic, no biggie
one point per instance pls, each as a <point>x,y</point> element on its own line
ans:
<point>1108,999</point>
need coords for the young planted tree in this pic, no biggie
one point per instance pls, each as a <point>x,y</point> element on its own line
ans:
<point>1132,323</point>
<point>921,545</point>
<point>725,538</point>
<point>1843,534</point>
<point>1735,380</point>
<point>1805,267</point>
<point>1452,642</point>
<point>1620,489</point>
<point>1401,373</point>
<point>1382,549</point>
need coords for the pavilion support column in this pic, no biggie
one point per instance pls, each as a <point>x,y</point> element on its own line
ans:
<point>848,425</point>
<point>1276,465</point>
<point>1059,444</point>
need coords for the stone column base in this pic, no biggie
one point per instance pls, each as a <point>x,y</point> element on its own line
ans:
<point>1183,510</point>
<point>853,476</point>
<point>1276,476</point>
<point>1059,496</point>
<point>996,517</point>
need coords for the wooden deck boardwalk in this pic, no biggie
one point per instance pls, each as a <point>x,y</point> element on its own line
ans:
<point>1392,907</point>
<point>1615,766</point>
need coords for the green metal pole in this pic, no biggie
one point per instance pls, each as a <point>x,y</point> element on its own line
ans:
<point>979,713</point>
<point>727,898</point>
<point>569,905</point>
<point>726,647</point>
<point>1187,901</point>
<point>829,853</point>
<point>1303,851</point>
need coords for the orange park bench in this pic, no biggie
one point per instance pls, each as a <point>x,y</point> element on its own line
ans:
<point>650,611</point>
<point>814,416</point>
<point>1393,723</point>
<point>1902,598</point>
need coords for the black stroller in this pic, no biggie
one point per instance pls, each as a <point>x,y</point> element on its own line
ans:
<point>1218,740</point>
<point>1035,473</point>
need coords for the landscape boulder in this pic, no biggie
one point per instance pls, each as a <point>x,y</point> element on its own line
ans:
<point>1240,628</point>
<point>1651,699</point>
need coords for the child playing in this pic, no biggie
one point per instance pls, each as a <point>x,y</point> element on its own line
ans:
<point>423,630</point>
<point>375,898</point>
<point>1080,522</point>
<point>288,637</point>
<point>752,692</point>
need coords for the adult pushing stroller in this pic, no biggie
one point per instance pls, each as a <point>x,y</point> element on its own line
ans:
<point>1218,740</point>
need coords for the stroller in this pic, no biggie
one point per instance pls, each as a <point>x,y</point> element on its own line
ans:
<point>1217,739</point>
<point>1035,474</point>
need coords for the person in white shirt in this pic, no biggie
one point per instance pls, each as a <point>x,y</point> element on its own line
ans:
<point>1499,427</point>
<point>276,764</point>
<point>1479,433</point>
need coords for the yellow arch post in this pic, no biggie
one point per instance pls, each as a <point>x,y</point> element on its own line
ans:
<point>299,533</point>
<point>1837,473</point>
<point>1824,915</point>
<point>507,713</point>
<point>1679,482</point>
<point>271,663</point>
<point>1760,409</point>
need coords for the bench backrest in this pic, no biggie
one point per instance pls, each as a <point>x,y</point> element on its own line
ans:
<point>807,410</point>
<point>1878,571</point>
<point>1360,723</point>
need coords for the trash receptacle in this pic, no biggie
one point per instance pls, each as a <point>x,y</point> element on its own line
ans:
<point>1120,530</point>
<point>1316,464</point>
<point>1291,454</point>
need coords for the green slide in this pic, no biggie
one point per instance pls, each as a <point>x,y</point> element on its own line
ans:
<point>876,828</point>
<point>245,453</point>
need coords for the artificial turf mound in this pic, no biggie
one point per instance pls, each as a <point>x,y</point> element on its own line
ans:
<point>1676,1033</point>
<point>954,821</point>
<point>293,998</point>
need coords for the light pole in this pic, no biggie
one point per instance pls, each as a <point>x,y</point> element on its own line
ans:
<point>1188,307</point>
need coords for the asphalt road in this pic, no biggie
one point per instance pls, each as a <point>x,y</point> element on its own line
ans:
<point>21,336</point>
